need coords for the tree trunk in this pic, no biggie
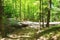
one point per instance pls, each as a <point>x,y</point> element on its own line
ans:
<point>20,12</point>
<point>48,15</point>
<point>40,14</point>
<point>1,20</point>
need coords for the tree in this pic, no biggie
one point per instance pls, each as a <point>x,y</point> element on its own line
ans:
<point>1,19</point>
<point>20,11</point>
<point>48,15</point>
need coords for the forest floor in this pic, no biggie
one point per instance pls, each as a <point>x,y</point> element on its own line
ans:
<point>31,33</point>
<point>21,34</point>
<point>52,33</point>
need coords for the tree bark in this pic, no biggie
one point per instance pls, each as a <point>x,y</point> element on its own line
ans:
<point>20,12</point>
<point>48,15</point>
<point>1,19</point>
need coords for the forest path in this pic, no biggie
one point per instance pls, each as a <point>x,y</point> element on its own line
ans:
<point>37,24</point>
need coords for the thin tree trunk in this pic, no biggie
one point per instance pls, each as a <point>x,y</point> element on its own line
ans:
<point>40,14</point>
<point>20,12</point>
<point>48,15</point>
<point>28,16</point>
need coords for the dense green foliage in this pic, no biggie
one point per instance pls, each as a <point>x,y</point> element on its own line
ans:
<point>30,10</point>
